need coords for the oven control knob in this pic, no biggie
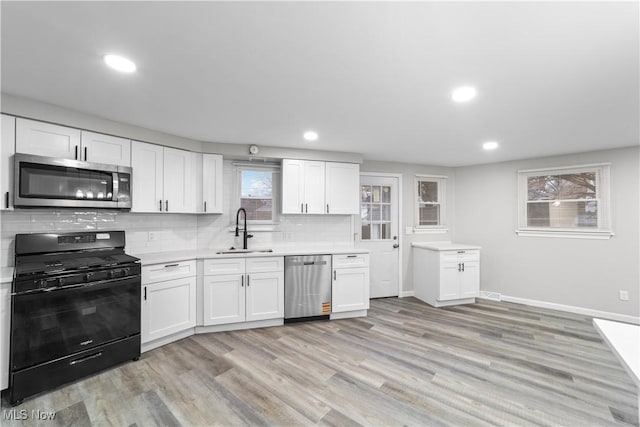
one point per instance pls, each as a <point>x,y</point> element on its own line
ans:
<point>87,277</point>
<point>61,281</point>
<point>42,283</point>
<point>112,274</point>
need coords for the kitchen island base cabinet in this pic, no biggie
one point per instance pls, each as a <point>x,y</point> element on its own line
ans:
<point>350,285</point>
<point>168,309</point>
<point>445,273</point>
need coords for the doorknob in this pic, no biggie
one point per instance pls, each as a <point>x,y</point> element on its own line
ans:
<point>396,246</point>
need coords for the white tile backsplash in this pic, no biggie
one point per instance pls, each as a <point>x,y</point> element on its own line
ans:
<point>175,232</point>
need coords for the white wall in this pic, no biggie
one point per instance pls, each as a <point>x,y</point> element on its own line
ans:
<point>574,272</point>
<point>409,172</point>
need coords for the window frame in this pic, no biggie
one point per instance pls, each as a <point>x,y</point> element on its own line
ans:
<point>603,230</point>
<point>442,227</point>
<point>257,225</point>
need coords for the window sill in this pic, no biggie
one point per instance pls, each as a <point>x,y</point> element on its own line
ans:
<point>566,234</point>
<point>430,230</point>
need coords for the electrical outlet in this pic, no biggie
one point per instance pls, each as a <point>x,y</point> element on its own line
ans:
<point>152,236</point>
<point>624,295</point>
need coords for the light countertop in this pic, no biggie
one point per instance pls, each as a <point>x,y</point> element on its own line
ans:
<point>444,246</point>
<point>162,257</point>
<point>6,274</point>
<point>624,340</point>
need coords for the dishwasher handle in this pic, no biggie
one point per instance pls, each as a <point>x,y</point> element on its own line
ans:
<point>303,263</point>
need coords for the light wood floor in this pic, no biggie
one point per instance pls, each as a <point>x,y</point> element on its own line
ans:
<point>405,364</point>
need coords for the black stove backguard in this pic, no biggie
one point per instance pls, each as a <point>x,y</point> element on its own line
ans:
<point>75,309</point>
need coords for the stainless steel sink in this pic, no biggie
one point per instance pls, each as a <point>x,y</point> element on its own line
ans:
<point>243,251</point>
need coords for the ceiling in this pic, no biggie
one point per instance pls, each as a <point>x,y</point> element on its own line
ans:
<point>370,77</point>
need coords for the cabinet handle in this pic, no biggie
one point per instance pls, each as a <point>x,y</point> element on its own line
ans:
<point>306,208</point>
<point>327,207</point>
<point>463,266</point>
<point>301,207</point>
<point>160,205</point>
<point>205,206</point>
<point>459,268</point>
<point>145,293</point>
<point>242,283</point>
<point>6,200</point>
<point>85,154</point>
<point>247,280</point>
<point>352,256</point>
<point>166,206</point>
<point>171,265</point>
<point>334,275</point>
<point>76,154</point>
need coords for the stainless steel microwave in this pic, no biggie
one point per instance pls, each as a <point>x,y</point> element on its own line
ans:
<point>48,181</point>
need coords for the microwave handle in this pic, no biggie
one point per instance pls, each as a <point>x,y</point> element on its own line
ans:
<point>116,186</point>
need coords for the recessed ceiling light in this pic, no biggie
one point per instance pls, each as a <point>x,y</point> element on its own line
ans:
<point>120,63</point>
<point>310,135</point>
<point>463,94</point>
<point>490,145</point>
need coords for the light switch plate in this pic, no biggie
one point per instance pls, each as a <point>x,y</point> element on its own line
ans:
<point>408,230</point>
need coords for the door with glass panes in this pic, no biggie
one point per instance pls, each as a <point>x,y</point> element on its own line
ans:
<point>378,231</point>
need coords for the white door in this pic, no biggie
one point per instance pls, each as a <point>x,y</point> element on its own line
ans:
<point>292,186</point>
<point>449,281</point>
<point>100,148</point>
<point>342,189</point>
<point>211,183</point>
<point>379,231</point>
<point>350,290</point>
<point>314,187</point>
<point>178,193</point>
<point>7,150</point>
<point>265,296</point>
<point>224,297</point>
<point>46,139</point>
<point>147,164</point>
<point>169,307</point>
<point>470,279</point>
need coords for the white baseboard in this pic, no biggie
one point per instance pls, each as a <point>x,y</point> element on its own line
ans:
<point>496,296</point>
<point>405,294</point>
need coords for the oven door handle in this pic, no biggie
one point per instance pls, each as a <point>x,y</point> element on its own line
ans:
<point>76,286</point>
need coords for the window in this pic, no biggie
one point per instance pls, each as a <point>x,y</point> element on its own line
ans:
<point>375,212</point>
<point>430,204</point>
<point>257,192</point>
<point>565,202</point>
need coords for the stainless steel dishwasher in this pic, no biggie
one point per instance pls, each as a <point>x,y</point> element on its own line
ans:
<point>307,287</point>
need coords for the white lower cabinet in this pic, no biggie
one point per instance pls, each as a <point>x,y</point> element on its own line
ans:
<point>243,290</point>
<point>168,301</point>
<point>350,285</point>
<point>446,274</point>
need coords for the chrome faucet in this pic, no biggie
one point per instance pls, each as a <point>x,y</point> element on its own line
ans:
<point>245,235</point>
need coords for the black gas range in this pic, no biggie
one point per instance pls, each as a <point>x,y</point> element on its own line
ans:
<point>75,308</point>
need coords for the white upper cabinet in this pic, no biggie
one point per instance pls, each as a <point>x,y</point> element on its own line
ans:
<point>46,139</point>
<point>342,188</point>
<point>315,187</point>
<point>147,162</point>
<point>8,148</point>
<point>99,148</point>
<point>163,179</point>
<point>211,184</point>
<point>179,172</point>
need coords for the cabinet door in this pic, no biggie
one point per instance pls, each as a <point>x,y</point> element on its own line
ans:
<point>178,191</point>
<point>314,177</point>
<point>292,186</point>
<point>5,323</point>
<point>342,188</point>
<point>211,183</point>
<point>470,280</point>
<point>7,150</point>
<point>99,148</point>
<point>147,164</point>
<point>224,297</point>
<point>350,289</point>
<point>449,281</point>
<point>46,139</point>
<point>169,307</point>
<point>265,296</point>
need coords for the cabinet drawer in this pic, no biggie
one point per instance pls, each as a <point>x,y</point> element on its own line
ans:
<point>462,255</point>
<point>265,264</point>
<point>350,260</point>
<point>168,271</point>
<point>214,267</point>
